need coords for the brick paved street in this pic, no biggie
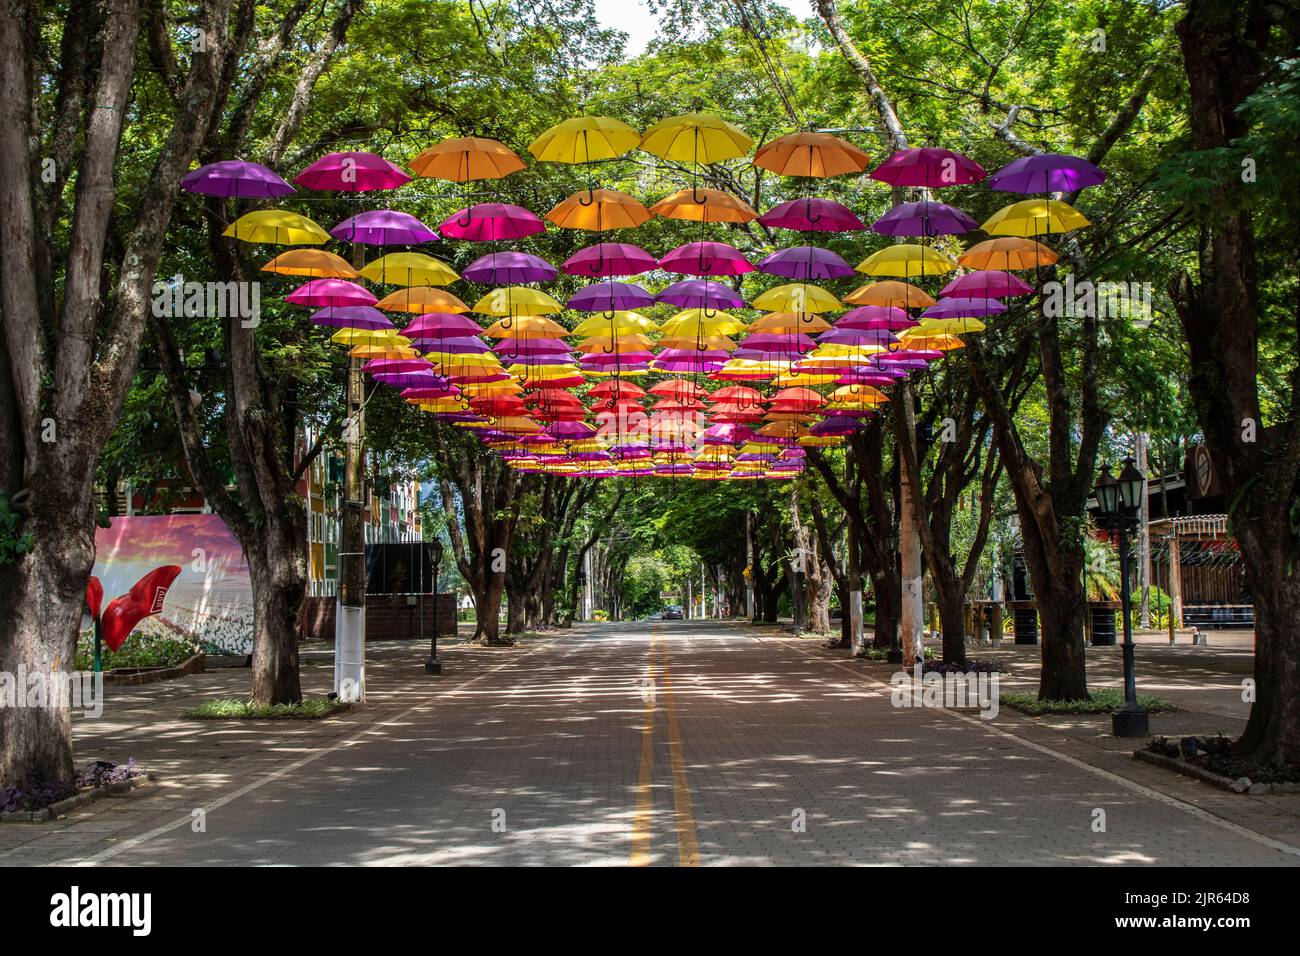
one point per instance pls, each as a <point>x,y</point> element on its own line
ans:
<point>682,742</point>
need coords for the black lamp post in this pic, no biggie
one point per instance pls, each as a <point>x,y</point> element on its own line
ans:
<point>1119,501</point>
<point>433,665</point>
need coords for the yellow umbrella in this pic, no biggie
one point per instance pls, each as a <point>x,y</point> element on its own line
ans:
<point>631,342</point>
<point>843,350</point>
<point>695,321</point>
<point>1007,254</point>
<point>858,394</point>
<point>465,158</point>
<point>618,323</point>
<point>387,337</point>
<point>945,327</point>
<point>906,260</point>
<point>783,430</point>
<point>521,325</point>
<point>821,441</point>
<point>383,352</point>
<point>316,263</point>
<point>479,389</point>
<point>463,359</point>
<point>898,295</point>
<point>408,269</point>
<point>1035,217</point>
<point>776,323</point>
<point>518,300</point>
<point>698,342</point>
<point>518,425</point>
<point>912,341</point>
<point>585,139</point>
<point>421,299</point>
<point>704,205</point>
<point>797,297</point>
<point>793,378</point>
<point>541,373</point>
<point>277,227</point>
<point>695,138</point>
<point>811,154</point>
<point>598,210</point>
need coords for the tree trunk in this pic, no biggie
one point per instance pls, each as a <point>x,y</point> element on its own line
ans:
<point>951,598</point>
<point>278,574</point>
<point>886,592</point>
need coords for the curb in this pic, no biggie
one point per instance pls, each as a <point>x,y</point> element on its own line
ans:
<point>62,808</point>
<point>1213,779</point>
<point>193,665</point>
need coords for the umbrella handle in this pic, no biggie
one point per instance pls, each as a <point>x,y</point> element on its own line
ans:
<point>709,312</point>
<point>469,217</point>
<point>591,197</point>
<point>508,321</point>
<point>696,196</point>
<point>807,318</point>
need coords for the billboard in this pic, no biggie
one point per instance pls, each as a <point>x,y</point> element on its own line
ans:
<point>209,602</point>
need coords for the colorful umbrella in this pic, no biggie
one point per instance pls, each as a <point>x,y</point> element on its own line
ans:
<point>409,268</point>
<point>1035,217</point>
<point>956,308</point>
<point>316,263</point>
<point>704,205</point>
<point>467,158</point>
<point>706,259</point>
<point>811,215</point>
<point>517,300</point>
<point>702,294</point>
<point>901,295</point>
<point>929,167</point>
<point>797,297</point>
<point>905,261</point>
<point>235,178</point>
<point>330,292</point>
<point>598,210</point>
<point>695,138</point>
<point>609,259</point>
<point>509,268</point>
<point>277,227</point>
<point>383,227</point>
<point>492,222</point>
<point>585,139</point>
<point>986,284</point>
<point>352,317</point>
<point>1046,173</point>
<point>353,172</point>
<point>811,154</point>
<point>923,219</point>
<point>611,297</point>
<point>805,263</point>
<point>1007,253</point>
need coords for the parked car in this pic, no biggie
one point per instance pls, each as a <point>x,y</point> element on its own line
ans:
<point>671,613</point>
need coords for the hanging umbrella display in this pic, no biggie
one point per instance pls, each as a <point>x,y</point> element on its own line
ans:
<point>465,159</point>
<point>517,301</point>
<point>929,167</point>
<point>704,206</point>
<point>1046,173</point>
<point>706,259</point>
<point>409,268</point>
<point>805,263</point>
<point>923,219</point>
<point>277,227</point>
<point>585,139</point>
<point>810,154</point>
<point>986,284</point>
<point>955,308</point>
<point>900,295</point>
<point>352,317</point>
<point>611,297</point>
<point>491,222</point>
<point>906,260</point>
<point>509,268</point>
<point>383,227</point>
<point>315,263</point>
<point>696,138</point>
<point>1035,217</point>
<point>598,210</point>
<point>797,297</point>
<point>330,292</point>
<point>701,294</point>
<point>421,299</point>
<point>233,178</point>
<point>812,215</point>
<point>1007,253</point>
<point>609,259</point>
<point>351,172</point>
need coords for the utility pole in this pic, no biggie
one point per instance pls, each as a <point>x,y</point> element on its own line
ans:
<point>350,611</point>
<point>1144,534</point>
<point>909,539</point>
<point>749,557</point>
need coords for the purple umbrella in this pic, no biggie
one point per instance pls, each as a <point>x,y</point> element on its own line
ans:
<point>706,259</point>
<point>805,263</point>
<point>779,342</point>
<point>509,268</point>
<point>234,177</point>
<point>875,317</point>
<point>849,336</point>
<point>330,292</point>
<point>835,425</point>
<point>609,259</point>
<point>352,172</point>
<point>383,227</point>
<point>924,219</point>
<point>928,166</point>
<point>957,308</point>
<point>535,346</point>
<point>611,297</point>
<point>1046,173</point>
<point>567,431</point>
<point>455,345</point>
<point>701,294</point>
<point>492,222</point>
<point>352,317</point>
<point>987,284</point>
<point>812,215</point>
<point>538,358</point>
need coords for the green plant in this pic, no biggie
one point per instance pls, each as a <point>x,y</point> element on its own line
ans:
<point>142,649</point>
<point>1101,578</point>
<point>235,708</point>
<point>1103,701</point>
<point>13,543</point>
<point>600,614</point>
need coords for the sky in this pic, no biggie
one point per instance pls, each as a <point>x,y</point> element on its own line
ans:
<point>633,17</point>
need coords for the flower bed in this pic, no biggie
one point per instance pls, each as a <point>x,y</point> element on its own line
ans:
<point>49,801</point>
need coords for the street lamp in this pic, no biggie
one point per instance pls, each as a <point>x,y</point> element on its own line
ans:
<point>1119,501</point>
<point>433,665</point>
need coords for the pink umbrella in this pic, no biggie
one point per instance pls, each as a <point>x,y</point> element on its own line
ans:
<point>875,317</point>
<point>812,215</point>
<point>706,259</point>
<point>928,166</point>
<point>432,324</point>
<point>986,284</point>
<point>352,172</point>
<point>491,222</point>
<point>330,292</point>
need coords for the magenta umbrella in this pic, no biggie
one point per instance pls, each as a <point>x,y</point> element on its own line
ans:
<point>986,284</point>
<point>779,342</point>
<point>1046,173</point>
<point>806,263</point>
<point>609,259</point>
<point>456,345</point>
<point>963,308</point>
<point>235,178</point>
<point>509,268</point>
<point>706,259</point>
<point>352,172</point>
<point>812,215</point>
<point>875,317</point>
<point>924,219</point>
<point>352,317</point>
<point>848,336</point>
<point>492,222</point>
<point>441,323</point>
<point>383,227</point>
<point>330,292</point>
<point>928,166</point>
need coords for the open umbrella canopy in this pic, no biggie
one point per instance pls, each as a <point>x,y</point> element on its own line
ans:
<point>234,178</point>
<point>1047,173</point>
<point>441,324</point>
<point>522,325</point>
<point>696,138</point>
<point>706,259</point>
<point>811,154</point>
<point>609,259</point>
<point>986,284</point>
<point>930,167</point>
<point>277,227</point>
<point>467,158</point>
<point>352,317</point>
<point>703,322</point>
<point>598,210</point>
<point>907,260</point>
<point>352,172</point>
<point>330,292</point>
<point>616,324</point>
<point>805,262</point>
<point>779,322</point>
<point>421,298</point>
<point>956,308</point>
<point>812,215</point>
<point>611,297</point>
<point>875,317</point>
<point>704,205</point>
<point>409,268</point>
<point>924,219</point>
<point>900,295</point>
<point>1008,253</point>
<point>491,222</point>
<point>509,268</point>
<point>383,227</point>
<point>701,294</point>
<point>1035,217</point>
<point>517,300</point>
<point>585,139</point>
<point>797,297</point>
<point>316,263</point>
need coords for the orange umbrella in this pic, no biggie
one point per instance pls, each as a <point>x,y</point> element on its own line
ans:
<point>421,298</point>
<point>811,154</point>
<point>704,205</point>
<point>598,210</point>
<point>466,158</point>
<point>311,262</point>
<point>898,295</point>
<point>1006,254</point>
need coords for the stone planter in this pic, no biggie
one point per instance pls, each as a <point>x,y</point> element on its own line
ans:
<point>62,808</point>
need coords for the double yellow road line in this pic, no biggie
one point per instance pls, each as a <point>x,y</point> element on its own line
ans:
<point>688,847</point>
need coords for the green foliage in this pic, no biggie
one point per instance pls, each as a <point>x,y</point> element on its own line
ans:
<point>142,649</point>
<point>13,542</point>
<point>1104,701</point>
<point>235,708</point>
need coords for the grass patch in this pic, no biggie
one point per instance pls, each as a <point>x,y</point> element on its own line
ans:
<point>235,708</point>
<point>142,649</point>
<point>1104,701</point>
<point>872,653</point>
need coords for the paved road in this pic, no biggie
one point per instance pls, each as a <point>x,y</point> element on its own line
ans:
<point>675,743</point>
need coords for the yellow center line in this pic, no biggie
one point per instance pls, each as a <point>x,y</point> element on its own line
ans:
<point>688,847</point>
<point>644,794</point>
